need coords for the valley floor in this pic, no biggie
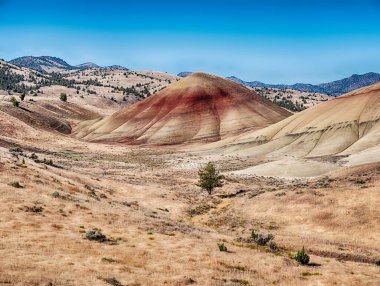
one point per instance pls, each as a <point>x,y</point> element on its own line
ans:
<point>163,230</point>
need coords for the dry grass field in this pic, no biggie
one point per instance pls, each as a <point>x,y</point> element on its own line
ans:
<point>163,230</point>
<point>82,213</point>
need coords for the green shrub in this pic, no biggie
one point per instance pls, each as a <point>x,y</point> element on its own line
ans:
<point>209,178</point>
<point>55,194</point>
<point>14,101</point>
<point>222,247</point>
<point>63,97</point>
<point>301,257</point>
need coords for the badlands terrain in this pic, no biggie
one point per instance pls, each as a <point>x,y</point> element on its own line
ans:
<point>112,166</point>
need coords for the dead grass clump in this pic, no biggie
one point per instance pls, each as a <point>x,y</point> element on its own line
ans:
<point>96,235</point>
<point>261,239</point>
<point>360,180</point>
<point>266,240</point>
<point>134,204</point>
<point>34,209</point>
<point>310,274</point>
<point>200,209</point>
<point>240,281</point>
<point>57,195</point>
<point>234,267</point>
<point>108,260</point>
<point>113,281</point>
<point>15,149</point>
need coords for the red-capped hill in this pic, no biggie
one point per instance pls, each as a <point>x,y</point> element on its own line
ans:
<point>200,107</point>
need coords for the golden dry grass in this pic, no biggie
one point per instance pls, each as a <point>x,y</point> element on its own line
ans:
<point>142,199</point>
<point>164,230</point>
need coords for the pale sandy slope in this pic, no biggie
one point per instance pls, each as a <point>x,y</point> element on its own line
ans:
<point>347,127</point>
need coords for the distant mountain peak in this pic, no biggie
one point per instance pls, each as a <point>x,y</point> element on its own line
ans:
<point>116,67</point>
<point>184,74</point>
<point>88,65</point>
<point>42,64</point>
<point>48,64</point>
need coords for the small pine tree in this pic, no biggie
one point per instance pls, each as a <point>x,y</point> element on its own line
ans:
<point>14,102</point>
<point>63,97</point>
<point>301,257</point>
<point>209,178</point>
<point>22,96</point>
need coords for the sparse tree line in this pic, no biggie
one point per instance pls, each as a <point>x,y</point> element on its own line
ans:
<point>13,82</point>
<point>290,105</point>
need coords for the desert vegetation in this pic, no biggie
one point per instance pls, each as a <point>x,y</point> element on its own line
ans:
<point>63,97</point>
<point>209,178</point>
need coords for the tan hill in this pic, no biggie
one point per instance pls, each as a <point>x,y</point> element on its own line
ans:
<point>31,118</point>
<point>345,130</point>
<point>102,90</point>
<point>200,107</point>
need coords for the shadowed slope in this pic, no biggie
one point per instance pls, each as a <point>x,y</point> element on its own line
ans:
<point>346,125</point>
<point>200,107</point>
<point>53,116</point>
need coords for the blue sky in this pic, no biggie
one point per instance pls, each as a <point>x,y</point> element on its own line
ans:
<point>271,41</point>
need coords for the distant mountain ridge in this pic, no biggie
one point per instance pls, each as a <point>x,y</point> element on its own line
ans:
<point>351,83</point>
<point>42,64</point>
<point>47,64</point>
<point>334,88</point>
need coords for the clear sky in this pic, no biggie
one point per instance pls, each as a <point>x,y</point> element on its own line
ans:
<point>271,41</point>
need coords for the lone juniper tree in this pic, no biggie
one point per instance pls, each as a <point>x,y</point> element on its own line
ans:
<point>209,178</point>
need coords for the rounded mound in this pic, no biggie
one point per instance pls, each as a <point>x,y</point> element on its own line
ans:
<point>198,108</point>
